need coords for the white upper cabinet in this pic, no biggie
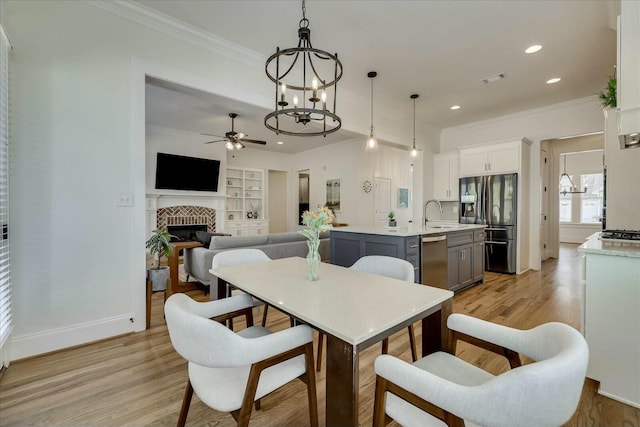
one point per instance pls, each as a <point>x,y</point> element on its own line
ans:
<point>490,159</point>
<point>446,176</point>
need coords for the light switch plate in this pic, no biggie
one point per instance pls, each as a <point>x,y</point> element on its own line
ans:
<point>125,199</point>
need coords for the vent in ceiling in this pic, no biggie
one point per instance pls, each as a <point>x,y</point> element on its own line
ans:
<point>493,78</point>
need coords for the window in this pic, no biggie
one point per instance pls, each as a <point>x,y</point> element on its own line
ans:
<point>582,208</point>
<point>5,264</point>
<point>591,201</point>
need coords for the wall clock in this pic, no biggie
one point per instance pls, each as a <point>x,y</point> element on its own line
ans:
<point>366,186</point>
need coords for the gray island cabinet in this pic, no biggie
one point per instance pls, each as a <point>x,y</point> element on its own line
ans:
<point>348,247</point>
<point>463,251</point>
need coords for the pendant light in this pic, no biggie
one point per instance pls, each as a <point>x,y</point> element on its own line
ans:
<point>414,151</point>
<point>566,181</point>
<point>306,75</point>
<point>372,142</point>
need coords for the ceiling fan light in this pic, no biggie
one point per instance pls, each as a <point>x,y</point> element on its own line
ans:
<point>414,152</point>
<point>228,145</point>
<point>238,145</point>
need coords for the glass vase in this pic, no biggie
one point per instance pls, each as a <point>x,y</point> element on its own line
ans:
<point>313,259</point>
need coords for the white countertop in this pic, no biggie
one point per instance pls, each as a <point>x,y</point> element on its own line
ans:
<point>410,229</point>
<point>345,303</point>
<point>593,245</point>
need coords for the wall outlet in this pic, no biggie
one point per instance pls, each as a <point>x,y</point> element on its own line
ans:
<point>455,209</point>
<point>125,199</point>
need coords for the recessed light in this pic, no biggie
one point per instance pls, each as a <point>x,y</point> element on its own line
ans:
<point>279,142</point>
<point>554,80</point>
<point>533,49</point>
<point>455,107</point>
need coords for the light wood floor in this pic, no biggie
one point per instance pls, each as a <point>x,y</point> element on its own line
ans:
<point>138,379</point>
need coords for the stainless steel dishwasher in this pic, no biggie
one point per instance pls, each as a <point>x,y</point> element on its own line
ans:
<point>434,260</point>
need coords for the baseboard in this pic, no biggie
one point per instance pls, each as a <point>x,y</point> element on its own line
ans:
<point>619,399</point>
<point>23,346</point>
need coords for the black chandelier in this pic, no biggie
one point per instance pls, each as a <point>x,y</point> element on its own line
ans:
<point>306,83</point>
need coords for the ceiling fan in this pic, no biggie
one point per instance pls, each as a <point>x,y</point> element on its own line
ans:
<point>234,140</point>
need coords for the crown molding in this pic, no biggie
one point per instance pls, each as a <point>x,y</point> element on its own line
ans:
<point>155,20</point>
<point>593,100</point>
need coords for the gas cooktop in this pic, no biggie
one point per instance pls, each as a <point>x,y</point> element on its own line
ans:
<point>620,235</point>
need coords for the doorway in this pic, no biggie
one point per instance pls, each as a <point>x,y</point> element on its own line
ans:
<point>382,198</point>
<point>304,182</point>
<point>587,152</point>
<point>277,202</point>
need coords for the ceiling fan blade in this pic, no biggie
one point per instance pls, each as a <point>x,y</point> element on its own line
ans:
<point>218,140</point>
<point>210,134</point>
<point>255,141</point>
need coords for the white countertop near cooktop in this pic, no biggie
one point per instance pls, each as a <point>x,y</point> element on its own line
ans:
<point>409,229</point>
<point>624,248</point>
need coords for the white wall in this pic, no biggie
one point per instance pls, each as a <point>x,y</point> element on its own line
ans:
<point>623,180</point>
<point>349,162</point>
<point>567,119</point>
<point>78,141</point>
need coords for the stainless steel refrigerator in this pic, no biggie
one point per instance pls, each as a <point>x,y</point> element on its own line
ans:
<point>493,200</point>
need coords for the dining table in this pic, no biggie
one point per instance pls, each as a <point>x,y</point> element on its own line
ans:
<point>354,309</point>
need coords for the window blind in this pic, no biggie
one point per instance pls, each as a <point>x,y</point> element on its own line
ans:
<point>5,260</point>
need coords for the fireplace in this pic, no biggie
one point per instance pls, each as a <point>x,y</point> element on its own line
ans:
<point>185,232</point>
<point>183,221</point>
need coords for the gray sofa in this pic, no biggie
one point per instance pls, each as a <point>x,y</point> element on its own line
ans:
<point>197,261</point>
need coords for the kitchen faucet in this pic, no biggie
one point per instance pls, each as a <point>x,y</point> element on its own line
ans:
<point>425,209</point>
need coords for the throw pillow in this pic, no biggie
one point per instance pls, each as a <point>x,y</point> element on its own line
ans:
<point>205,237</point>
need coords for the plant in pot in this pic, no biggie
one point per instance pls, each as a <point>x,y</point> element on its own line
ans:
<point>158,245</point>
<point>608,96</point>
<point>392,219</point>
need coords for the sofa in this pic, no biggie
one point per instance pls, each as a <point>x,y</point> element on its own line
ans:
<point>197,261</point>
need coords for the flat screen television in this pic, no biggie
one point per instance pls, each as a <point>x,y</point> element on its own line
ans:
<point>175,172</point>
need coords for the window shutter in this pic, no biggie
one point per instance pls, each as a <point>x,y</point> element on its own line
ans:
<point>5,260</point>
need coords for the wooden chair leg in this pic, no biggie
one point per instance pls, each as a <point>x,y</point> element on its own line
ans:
<point>311,386</point>
<point>379,403</point>
<point>412,343</point>
<point>149,303</point>
<point>186,401</point>
<point>320,349</point>
<point>264,315</point>
<point>385,346</point>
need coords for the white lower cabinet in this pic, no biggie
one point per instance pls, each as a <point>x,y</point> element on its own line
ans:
<point>248,227</point>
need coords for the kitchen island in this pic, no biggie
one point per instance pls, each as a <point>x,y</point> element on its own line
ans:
<point>445,255</point>
<point>612,316</point>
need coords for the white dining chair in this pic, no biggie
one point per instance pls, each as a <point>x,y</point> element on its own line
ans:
<point>230,371</point>
<point>441,389</point>
<point>240,257</point>
<point>387,266</point>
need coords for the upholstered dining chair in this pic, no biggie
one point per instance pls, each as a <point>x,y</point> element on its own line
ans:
<point>239,257</point>
<point>230,371</point>
<point>441,389</point>
<point>387,266</point>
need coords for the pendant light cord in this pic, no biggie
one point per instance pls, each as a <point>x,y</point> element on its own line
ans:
<point>372,105</point>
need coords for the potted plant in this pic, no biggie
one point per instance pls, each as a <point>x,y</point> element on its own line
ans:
<point>608,96</point>
<point>392,219</point>
<point>158,245</point>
